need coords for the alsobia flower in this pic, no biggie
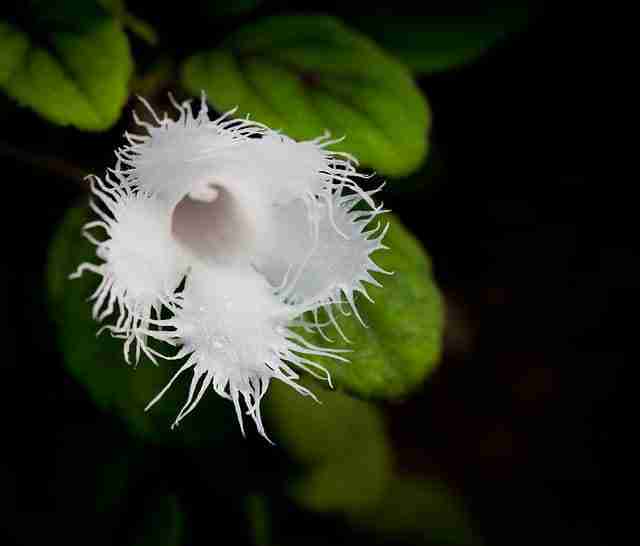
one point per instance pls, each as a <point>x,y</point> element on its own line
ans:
<point>223,239</point>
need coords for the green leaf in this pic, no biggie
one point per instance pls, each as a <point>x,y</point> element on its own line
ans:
<point>420,511</point>
<point>341,442</point>
<point>98,364</point>
<point>162,523</point>
<point>311,73</point>
<point>430,44</point>
<point>401,345</point>
<point>78,78</point>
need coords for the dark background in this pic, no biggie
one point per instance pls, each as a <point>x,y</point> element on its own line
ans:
<point>526,415</point>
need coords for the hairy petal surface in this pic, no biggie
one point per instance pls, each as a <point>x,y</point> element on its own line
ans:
<point>235,337</point>
<point>328,266</point>
<point>173,157</point>
<point>141,264</point>
<point>301,169</point>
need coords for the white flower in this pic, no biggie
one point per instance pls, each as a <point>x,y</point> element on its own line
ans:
<point>143,264</point>
<point>238,232</point>
<point>236,336</point>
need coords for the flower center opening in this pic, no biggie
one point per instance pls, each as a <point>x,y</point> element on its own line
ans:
<point>210,222</point>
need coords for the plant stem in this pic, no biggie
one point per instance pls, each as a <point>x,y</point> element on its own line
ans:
<point>48,164</point>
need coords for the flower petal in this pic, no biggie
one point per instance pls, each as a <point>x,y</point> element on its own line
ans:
<point>177,156</point>
<point>319,268</point>
<point>300,170</point>
<point>142,266</point>
<point>234,334</point>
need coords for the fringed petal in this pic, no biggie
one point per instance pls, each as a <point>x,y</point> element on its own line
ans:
<point>299,170</point>
<point>142,265</point>
<point>330,265</point>
<point>234,331</point>
<point>172,157</point>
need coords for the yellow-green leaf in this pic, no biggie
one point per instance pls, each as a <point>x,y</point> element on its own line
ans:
<point>309,74</point>
<point>401,345</point>
<point>342,444</point>
<point>80,78</point>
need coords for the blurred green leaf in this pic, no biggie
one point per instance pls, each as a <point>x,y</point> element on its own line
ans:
<point>401,345</point>
<point>142,29</point>
<point>307,74</point>
<point>98,363</point>
<point>162,523</point>
<point>70,77</point>
<point>435,43</point>
<point>420,511</point>
<point>257,506</point>
<point>342,444</point>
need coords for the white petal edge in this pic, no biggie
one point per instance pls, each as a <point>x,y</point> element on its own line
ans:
<point>236,337</point>
<point>326,267</point>
<point>142,266</point>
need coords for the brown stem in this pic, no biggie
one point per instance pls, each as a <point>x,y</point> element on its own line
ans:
<point>51,165</point>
